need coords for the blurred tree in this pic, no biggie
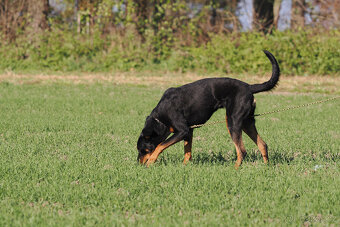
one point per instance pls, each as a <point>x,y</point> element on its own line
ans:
<point>141,17</point>
<point>276,11</point>
<point>298,14</point>
<point>222,15</point>
<point>264,15</point>
<point>323,13</point>
<point>12,17</point>
<point>38,12</point>
<point>85,14</point>
<point>163,22</point>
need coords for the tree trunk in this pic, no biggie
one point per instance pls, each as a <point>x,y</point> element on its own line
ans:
<point>298,13</point>
<point>38,12</point>
<point>264,15</point>
<point>276,11</point>
<point>10,17</point>
<point>141,17</point>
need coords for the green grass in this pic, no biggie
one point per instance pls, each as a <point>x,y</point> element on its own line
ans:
<point>68,157</point>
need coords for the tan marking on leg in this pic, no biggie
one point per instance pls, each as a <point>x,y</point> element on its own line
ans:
<point>243,149</point>
<point>143,159</point>
<point>253,134</point>
<point>187,151</point>
<point>263,148</point>
<point>187,147</point>
<point>187,158</point>
<point>159,149</point>
<point>240,151</point>
<point>226,121</point>
<point>171,129</point>
<point>153,157</point>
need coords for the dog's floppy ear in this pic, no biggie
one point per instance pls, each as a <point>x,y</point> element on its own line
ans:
<point>149,126</point>
<point>153,127</point>
<point>160,128</point>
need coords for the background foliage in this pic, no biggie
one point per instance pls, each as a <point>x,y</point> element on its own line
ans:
<point>103,35</point>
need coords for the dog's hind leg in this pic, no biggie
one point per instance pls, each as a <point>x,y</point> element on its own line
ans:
<point>237,139</point>
<point>250,128</point>
<point>187,147</point>
<point>235,131</point>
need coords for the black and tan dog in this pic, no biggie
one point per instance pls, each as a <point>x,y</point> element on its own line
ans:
<point>194,103</point>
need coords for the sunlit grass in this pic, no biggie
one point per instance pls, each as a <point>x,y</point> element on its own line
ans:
<point>68,157</point>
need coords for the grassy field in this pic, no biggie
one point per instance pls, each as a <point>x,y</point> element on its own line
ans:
<point>68,157</point>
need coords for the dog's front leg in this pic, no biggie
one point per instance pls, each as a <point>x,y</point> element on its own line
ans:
<point>187,147</point>
<point>176,137</point>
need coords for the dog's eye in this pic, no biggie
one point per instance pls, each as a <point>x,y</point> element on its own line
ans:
<point>147,137</point>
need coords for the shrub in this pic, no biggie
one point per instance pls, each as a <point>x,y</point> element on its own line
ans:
<point>299,53</point>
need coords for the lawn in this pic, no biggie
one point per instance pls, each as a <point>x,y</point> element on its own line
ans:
<point>68,157</point>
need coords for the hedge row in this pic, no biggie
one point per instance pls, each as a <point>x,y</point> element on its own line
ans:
<point>298,53</point>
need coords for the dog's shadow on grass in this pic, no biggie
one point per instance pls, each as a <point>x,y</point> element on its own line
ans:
<point>274,157</point>
<point>208,158</point>
<point>254,156</point>
<point>224,157</point>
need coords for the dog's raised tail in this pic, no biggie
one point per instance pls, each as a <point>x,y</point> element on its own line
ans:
<point>270,84</point>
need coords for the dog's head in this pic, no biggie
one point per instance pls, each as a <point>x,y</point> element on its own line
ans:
<point>153,133</point>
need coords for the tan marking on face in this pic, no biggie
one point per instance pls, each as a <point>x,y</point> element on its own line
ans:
<point>172,130</point>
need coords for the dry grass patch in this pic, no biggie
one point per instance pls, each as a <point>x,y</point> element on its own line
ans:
<point>295,84</point>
